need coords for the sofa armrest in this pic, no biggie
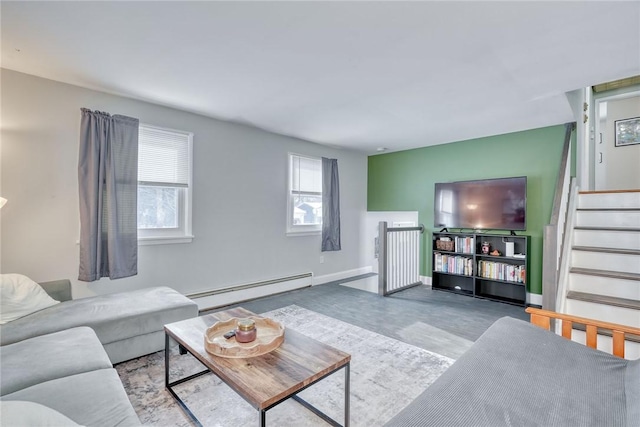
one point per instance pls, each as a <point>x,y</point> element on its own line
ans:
<point>59,290</point>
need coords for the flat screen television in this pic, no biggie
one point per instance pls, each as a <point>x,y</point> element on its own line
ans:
<point>487,204</point>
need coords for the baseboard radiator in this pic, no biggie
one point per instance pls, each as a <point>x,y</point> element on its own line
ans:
<point>220,297</point>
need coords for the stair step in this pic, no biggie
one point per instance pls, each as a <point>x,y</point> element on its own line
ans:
<point>586,192</point>
<point>587,209</point>
<point>610,217</point>
<point>605,273</point>
<point>604,312</point>
<point>609,199</point>
<point>607,250</point>
<point>602,299</point>
<point>606,239</point>
<point>605,283</point>
<point>625,229</point>
<point>623,262</point>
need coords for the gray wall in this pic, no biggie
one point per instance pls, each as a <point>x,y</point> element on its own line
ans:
<point>239,195</point>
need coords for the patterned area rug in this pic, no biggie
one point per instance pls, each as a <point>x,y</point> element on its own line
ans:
<point>386,375</point>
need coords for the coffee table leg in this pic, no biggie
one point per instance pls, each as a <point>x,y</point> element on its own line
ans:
<point>166,360</point>
<point>347,394</point>
<point>262,422</point>
<point>169,385</point>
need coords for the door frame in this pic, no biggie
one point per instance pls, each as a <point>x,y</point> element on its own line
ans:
<point>598,139</point>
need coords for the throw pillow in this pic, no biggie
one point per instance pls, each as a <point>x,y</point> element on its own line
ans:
<point>23,413</point>
<point>20,296</point>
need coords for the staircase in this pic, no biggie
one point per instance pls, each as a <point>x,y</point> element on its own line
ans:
<point>604,269</point>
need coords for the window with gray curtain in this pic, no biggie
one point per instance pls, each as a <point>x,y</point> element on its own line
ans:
<point>330,205</point>
<point>164,185</point>
<point>108,189</point>
<point>304,211</point>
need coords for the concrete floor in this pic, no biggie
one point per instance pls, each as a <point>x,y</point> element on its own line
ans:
<point>437,321</point>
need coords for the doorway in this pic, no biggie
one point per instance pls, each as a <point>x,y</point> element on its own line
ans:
<point>617,167</point>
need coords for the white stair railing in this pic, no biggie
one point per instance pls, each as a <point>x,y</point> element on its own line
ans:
<point>565,255</point>
<point>554,232</point>
<point>398,258</point>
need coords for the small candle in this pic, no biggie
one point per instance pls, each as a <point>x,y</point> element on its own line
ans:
<point>246,330</point>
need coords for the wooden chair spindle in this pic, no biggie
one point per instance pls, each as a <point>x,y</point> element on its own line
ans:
<point>567,328</point>
<point>592,336</point>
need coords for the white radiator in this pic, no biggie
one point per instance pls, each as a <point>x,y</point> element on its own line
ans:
<point>219,297</point>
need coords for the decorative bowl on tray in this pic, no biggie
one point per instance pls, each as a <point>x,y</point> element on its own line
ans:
<point>270,334</point>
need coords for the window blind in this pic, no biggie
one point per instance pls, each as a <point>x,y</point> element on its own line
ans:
<point>163,157</point>
<point>306,176</point>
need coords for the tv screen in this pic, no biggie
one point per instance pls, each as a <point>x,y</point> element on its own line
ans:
<point>490,204</point>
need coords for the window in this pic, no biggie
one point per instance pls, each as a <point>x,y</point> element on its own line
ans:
<point>164,185</point>
<point>304,207</point>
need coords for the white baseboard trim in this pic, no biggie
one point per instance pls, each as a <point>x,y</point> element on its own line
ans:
<point>319,280</point>
<point>426,280</point>
<point>534,299</point>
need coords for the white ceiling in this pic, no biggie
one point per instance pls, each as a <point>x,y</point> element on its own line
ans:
<point>359,75</point>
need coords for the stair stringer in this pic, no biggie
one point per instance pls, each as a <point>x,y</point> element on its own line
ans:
<point>565,257</point>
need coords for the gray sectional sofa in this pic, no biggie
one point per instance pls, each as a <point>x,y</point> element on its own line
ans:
<point>517,374</point>
<point>61,357</point>
<point>128,324</point>
<point>68,372</point>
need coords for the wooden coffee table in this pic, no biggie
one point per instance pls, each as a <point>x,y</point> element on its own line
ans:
<point>263,381</point>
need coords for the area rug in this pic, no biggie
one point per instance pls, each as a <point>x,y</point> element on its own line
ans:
<point>386,375</point>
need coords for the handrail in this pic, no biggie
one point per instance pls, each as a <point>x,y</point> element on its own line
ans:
<point>419,228</point>
<point>542,318</point>
<point>557,198</point>
<point>554,231</point>
<point>562,273</point>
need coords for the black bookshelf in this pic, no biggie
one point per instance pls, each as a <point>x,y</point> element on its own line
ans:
<point>460,265</point>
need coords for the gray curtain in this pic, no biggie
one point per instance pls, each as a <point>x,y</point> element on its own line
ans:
<point>330,205</point>
<point>108,186</point>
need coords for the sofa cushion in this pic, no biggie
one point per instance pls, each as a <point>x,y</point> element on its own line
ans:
<point>632,390</point>
<point>21,296</point>
<point>119,351</point>
<point>113,317</point>
<point>19,413</point>
<point>519,374</point>
<point>50,356</point>
<point>95,398</point>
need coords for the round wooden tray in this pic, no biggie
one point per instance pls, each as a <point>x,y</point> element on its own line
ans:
<point>270,334</point>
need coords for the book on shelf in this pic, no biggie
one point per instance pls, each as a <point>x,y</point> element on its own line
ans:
<point>465,244</point>
<point>453,264</point>
<point>501,271</point>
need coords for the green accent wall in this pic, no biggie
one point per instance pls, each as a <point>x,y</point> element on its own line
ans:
<point>404,181</point>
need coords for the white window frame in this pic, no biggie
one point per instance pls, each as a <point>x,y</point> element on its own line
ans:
<point>182,233</point>
<point>299,229</point>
